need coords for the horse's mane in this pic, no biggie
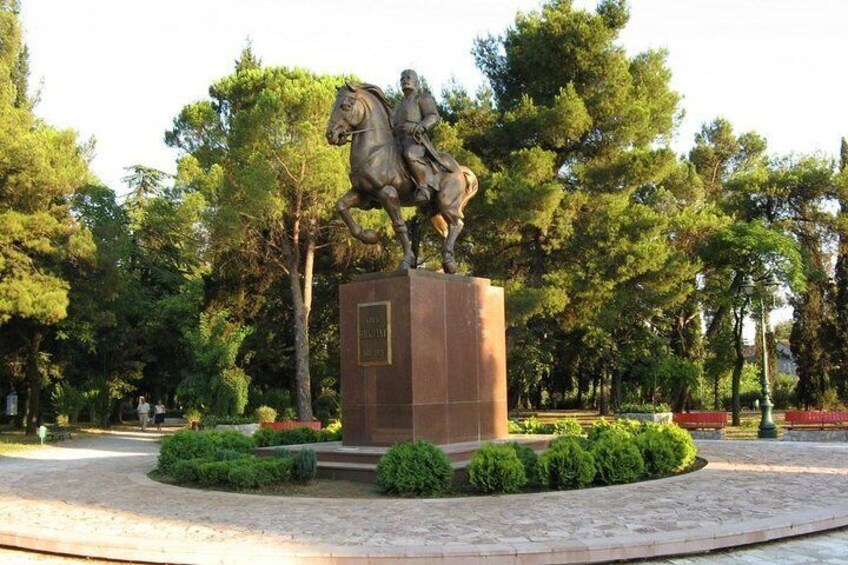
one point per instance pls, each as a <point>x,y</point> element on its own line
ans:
<point>377,92</point>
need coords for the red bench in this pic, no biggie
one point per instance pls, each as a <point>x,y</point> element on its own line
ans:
<point>700,420</point>
<point>820,419</point>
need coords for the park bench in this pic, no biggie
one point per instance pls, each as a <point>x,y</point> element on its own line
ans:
<point>700,420</point>
<point>817,419</point>
<point>58,433</point>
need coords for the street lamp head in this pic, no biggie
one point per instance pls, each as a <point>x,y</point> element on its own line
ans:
<point>748,285</point>
<point>772,282</point>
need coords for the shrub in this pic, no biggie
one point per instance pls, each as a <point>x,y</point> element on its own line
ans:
<point>566,464</point>
<point>209,421</point>
<point>658,451</point>
<point>278,470</point>
<point>265,414</point>
<point>568,427</point>
<point>621,428</point>
<point>535,426</point>
<point>227,455</point>
<point>514,427</point>
<point>643,408</point>
<point>617,459</point>
<point>265,437</point>
<point>187,470</point>
<point>192,416</point>
<point>684,447</point>
<point>213,473</point>
<point>188,444</point>
<point>282,453</point>
<point>528,458</point>
<point>414,469</point>
<point>333,431</point>
<point>496,468</point>
<point>297,436</point>
<point>242,477</point>
<point>305,464</point>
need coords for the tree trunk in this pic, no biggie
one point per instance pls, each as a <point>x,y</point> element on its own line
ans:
<point>34,384</point>
<point>603,406</point>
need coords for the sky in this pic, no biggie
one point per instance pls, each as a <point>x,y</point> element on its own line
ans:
<point>120,71</point>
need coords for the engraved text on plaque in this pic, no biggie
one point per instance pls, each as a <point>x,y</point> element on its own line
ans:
<point>374,332</point>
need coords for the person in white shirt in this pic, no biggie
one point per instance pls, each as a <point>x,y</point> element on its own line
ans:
<point>143,412</point>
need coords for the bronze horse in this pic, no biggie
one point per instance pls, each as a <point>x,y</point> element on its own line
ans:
<point>379,177</point>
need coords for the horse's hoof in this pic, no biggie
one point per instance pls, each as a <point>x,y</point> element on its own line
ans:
<point>368,236</point>
<point>450,267</point>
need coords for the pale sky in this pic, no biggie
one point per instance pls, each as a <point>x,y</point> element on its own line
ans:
<point>122,70</point>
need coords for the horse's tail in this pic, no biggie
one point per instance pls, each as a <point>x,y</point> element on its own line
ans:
<point>471,186</point>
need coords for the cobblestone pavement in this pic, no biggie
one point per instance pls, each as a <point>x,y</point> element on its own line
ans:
<point>95,491</point>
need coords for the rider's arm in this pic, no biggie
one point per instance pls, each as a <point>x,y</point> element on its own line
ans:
<point>429,111</point>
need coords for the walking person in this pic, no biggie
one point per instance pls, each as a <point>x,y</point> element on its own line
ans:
<point>143,410</point>
<point>159,415</point>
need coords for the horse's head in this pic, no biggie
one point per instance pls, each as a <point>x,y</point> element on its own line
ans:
<point>348,113</point>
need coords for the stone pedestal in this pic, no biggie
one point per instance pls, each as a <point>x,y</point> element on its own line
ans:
<point>423,356</point>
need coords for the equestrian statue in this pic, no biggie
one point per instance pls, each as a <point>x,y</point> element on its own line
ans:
<point>393,163</point>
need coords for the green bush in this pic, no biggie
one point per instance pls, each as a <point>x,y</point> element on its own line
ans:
<point>227,455</point>
<point>684,447</point>
<point>209,421</point>
<point>414,469</point>
<point>187,470</point>
<point>533,425</point>
<point>514,427</point>
<point>333,431</point>
<point>620,428</point>
<point>265,414</point>
<point>187,444</point>
<point>528,458</point>
<point>658,451</point>
<point>643,408</point>
<point>282,453</point>
<point>265,437</point>
<point>566,464</point>
<point>278,470</point>
<point>568,427</point>
<point>242,477</point>
<point>214,473</point>
<point>617,459</point>
<point>305,464</point>
<point>496,468</point>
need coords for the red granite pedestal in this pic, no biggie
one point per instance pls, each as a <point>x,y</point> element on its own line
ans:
<point>423,356</point>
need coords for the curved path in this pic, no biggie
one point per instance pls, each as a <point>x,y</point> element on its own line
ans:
<point>91,497</point>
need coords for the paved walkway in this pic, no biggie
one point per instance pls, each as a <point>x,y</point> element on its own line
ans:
<point>92,497</point>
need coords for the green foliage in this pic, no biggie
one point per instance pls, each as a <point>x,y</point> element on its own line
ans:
<point>658,451</point>
<point>617,459</point>
<point>414,469</point>
<point>214,381</point>
<point>566,464</point>
<point>568,427</point>
<point>533,425</point>
<point>265,414</point>
<point>68,402</point>
<point>189,444</point>
<point>496,468</point>
<point>305,464</point>
<point>227,454</point>
<point>619,428</point>
<point>640,408</point>
<point>528,459</point>
<point>209,421</point>
<point>266,437</point>
<point>514,427</point>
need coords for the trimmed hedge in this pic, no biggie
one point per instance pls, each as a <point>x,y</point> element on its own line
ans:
<point>414,469</point>
<point>566,464</point>
<point>243,473</point>
<point>188,444</point>
<point>617,459</point>
<point>496,468</point>
<point>267,437</point>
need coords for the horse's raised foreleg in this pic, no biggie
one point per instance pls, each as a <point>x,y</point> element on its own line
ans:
<point>389,198</point>
<point>353,199</point>
<point>449,263</point>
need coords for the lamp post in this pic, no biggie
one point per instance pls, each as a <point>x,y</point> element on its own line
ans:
<point>767,428</point>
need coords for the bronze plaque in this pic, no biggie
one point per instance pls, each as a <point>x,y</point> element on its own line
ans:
<point>374,333</point>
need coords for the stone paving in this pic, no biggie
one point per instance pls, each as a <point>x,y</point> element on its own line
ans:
<point>92,497</point>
